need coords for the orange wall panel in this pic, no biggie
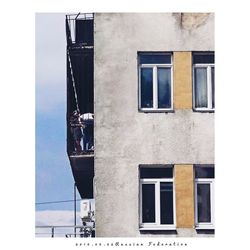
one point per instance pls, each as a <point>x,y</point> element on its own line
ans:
<point>182,80</point>
<point>184,186</point>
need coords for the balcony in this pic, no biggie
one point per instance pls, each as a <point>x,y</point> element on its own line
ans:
<point>80,99</point>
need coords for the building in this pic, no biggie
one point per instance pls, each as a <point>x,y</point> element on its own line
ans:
<point>149,80</point>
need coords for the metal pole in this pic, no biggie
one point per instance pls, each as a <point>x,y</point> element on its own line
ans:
<point>75,208</point>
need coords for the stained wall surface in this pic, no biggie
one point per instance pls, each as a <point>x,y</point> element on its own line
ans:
<point>126,137</point>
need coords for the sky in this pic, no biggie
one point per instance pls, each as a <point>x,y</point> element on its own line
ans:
<point>54,180</point>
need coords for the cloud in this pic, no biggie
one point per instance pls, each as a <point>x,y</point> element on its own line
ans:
<point>55,218</point>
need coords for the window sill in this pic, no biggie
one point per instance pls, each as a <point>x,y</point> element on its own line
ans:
<point>159,231</point>
<point>156,110</point>
<point>204,227</point>
<point>170,228</point>
<point>205,231</point>
<point>204,110</point>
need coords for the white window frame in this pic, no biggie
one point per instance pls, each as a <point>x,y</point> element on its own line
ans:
<point>204,225</point>
<point>209,67</point>
<point>156,225</point>
<point>155,85</point>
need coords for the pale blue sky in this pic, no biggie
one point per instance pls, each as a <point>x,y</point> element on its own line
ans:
<point>54,180</point>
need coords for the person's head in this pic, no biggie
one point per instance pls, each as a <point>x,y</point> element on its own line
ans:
<point>75,113</point>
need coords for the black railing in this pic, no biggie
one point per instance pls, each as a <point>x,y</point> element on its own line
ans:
<point>65,231</point>
<point>79,29</point>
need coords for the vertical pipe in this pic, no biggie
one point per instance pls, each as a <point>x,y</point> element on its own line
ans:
<point>75,208</point>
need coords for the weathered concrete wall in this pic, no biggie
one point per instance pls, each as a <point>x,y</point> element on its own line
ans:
<point>124,137</point>
<point>191,21</point>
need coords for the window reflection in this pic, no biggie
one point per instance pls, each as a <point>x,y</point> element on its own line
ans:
<point>201,87</point>
<point>166,196</point>
<point>164,87</point>
<point>148,203</point>
<point>146,87</point>
<point>204,206</point>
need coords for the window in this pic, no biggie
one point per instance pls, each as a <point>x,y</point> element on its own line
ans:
<point>204,197</point>
<point>203,81</point>
<point>155,82</point>
<point>157,199</point>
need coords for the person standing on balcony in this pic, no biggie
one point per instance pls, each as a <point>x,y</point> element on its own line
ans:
<point>76,124</point>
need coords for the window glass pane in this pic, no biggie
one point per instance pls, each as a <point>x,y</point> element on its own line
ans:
<point>146,87</point>
<point>212,79</point>
<point>155,58</point>
<point>166,200</point>
<point>200,87</point>
<point>203,58</point>
<point>148,203</point>
<point>156,172</point>
<point>164,87</point>
<point>204,172</point>
<point>204,206</point>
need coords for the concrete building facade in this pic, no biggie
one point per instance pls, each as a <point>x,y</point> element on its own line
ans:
<point>154,124</point>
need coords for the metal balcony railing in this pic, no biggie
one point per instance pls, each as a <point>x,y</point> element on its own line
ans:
<point>65,231</point>
<point>79,28</point>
